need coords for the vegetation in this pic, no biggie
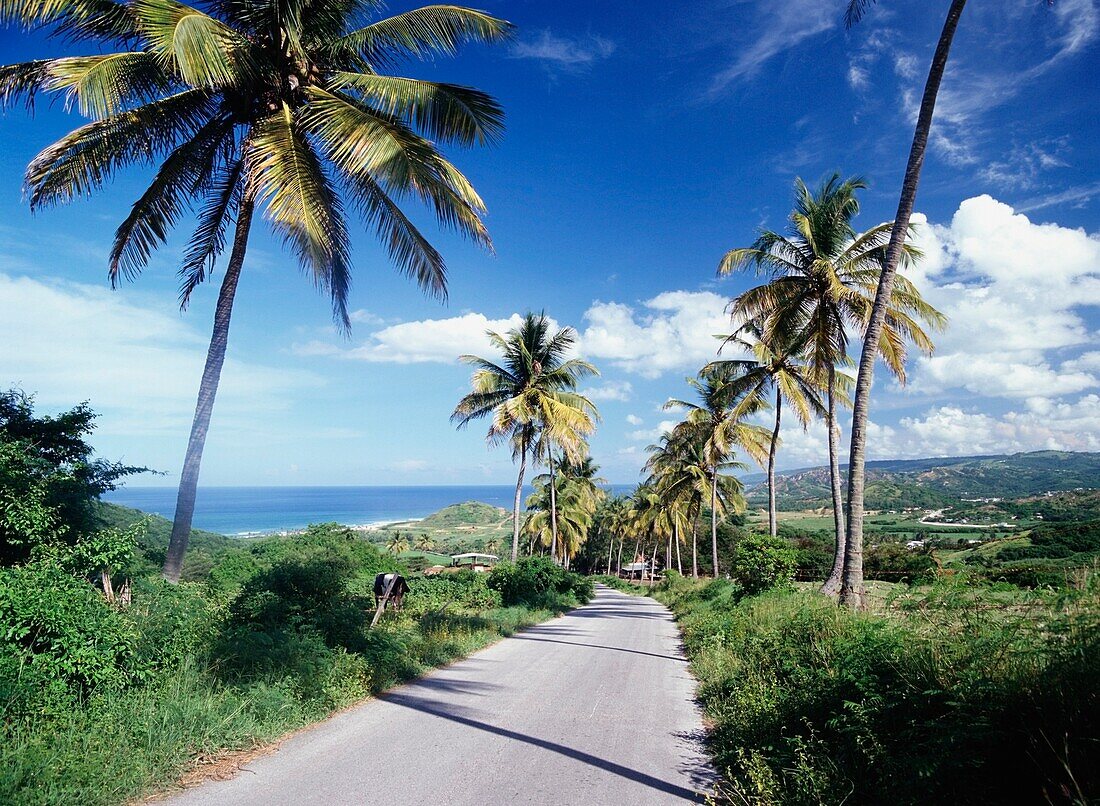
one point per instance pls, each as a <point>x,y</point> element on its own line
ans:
<point>822,278</point>
<point>951,694</point>
<point>531,397</point>
<point>105,697</point>
<point>285,107</point>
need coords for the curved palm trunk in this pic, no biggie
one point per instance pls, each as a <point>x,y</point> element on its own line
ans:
<point>714,521</point>
<point>204,407</point>
<point>619,559</point>
<point>515,510</point>
<point>773,528</point>
<point>851,587</point>
<point>553,513</point>
<point>637,546</point>
<point>832,584</point>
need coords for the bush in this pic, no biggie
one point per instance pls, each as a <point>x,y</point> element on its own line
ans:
<point>59,641</point>
<point>465,589</point>
<point>954,704</point>
<point>761,562</point>
<point>539,582</point>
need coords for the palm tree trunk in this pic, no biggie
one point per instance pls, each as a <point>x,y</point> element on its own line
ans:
<point>619,559</point>
<point>695,547</point>
<point>832,584</point>
<point>680,565</point>
<point>515,510</point>
<point>637,545</point>
<point>851,587</point>
<point>668,553</point>
<point>714,521</point>
<point>772,514</point>
<point>208,390</point>
<point>610,552</point>
<point>553,512</point>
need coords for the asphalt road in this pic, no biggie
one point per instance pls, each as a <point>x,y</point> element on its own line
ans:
<point>594,707</point>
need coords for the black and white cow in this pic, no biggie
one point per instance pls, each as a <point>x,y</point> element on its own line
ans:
<point>397,591</point>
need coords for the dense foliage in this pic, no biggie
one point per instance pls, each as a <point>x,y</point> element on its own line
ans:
<point>955,703</point>
<point>534,580</point>
<point>49,479</point>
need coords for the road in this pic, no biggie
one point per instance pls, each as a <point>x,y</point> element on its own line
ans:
<point>594,707</point>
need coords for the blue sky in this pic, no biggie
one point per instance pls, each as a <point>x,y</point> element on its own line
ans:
<point>644,140</point>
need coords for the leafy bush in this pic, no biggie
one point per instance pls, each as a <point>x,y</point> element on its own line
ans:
<point>537,581</point>
<point>894,562</point>
<point>59,641</point>
<point>955,704</point>
<point>761,562</point>
<point>465,589</point>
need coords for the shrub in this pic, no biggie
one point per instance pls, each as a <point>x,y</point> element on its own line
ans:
<point>59,641</point>
<point>538,582</point>
<point>761,562</point>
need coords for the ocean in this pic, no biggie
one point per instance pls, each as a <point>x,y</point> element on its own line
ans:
<point>252,510</point>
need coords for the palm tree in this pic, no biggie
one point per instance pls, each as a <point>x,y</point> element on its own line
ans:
<point>576,510</point>
<point>398,543</point>
<point>615,520</point>
<point>281,105</point>
<point>532,391</point>
<point>679,468</point>
<point>851,592</point>
<point>424,542</point>
<point>778,366</point>
<point>822,277</point>
<point>720,415</point>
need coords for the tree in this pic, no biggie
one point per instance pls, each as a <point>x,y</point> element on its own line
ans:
<point>851,589</point>
<point>822,277</point>
<point>574,516</point>
<point>778,367</point>
<point>720,416</point>
<point>531,390</point>
<point>279,105</point>
<point>49,478</point>
<point>424,542</point>
<point>397,543</point>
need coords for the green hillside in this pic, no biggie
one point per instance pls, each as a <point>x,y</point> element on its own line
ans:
<point>936,483</point>
<point>470,513</point>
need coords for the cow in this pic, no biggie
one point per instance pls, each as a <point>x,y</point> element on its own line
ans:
<point>398,588</point>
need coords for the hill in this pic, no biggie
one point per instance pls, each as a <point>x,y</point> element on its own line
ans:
<point>936,483</point>
<point>470,513</point>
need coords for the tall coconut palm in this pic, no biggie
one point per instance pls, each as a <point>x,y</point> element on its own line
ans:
<point>282,106</point>
<point>616,522</point>
<point>851,592</point>
<point>822,275</point>
<point>532,391</point>
<point>575,467</point>
<point>778,367</point>
<point>397,543</point>
<point>721,416</point>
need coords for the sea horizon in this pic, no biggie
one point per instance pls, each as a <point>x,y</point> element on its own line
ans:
<point>241,511</point>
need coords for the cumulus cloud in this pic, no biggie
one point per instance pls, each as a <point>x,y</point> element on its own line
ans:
<point>652,434</point>
<point>612,390</point>
<point>1014,291</point>
<point>633,419</point>
<point>424,341</point>
<point>672,331</point>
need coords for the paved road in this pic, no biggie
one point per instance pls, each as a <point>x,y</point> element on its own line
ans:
<point>591,708</point>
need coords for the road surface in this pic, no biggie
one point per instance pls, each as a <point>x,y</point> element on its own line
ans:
<point>594,707</point>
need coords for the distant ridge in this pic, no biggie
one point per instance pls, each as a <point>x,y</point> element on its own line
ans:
<point>944,480</point>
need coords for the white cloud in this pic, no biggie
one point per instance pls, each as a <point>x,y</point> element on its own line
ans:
<point>1013,291</point>
<point>633,419</point>
<point>652,434</point>
<point>612,390</point>
<point>674,330</point>
<point>135,359</point>
<point>563,52</point>
<point>1043,424</point>
<point>428,340</point>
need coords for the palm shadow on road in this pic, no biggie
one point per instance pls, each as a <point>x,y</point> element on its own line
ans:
<point>527,637</point>
<point>455,714</point>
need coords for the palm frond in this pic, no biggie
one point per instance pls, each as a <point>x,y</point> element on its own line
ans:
<point>422,32</point>
<point>208,242</point>
<point>444,112</point>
